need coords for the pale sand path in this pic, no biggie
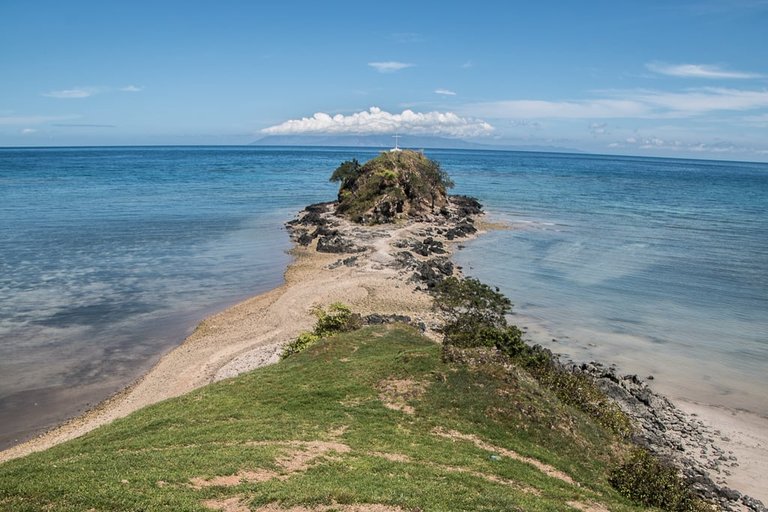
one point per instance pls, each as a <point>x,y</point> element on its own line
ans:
<point>251,334</point>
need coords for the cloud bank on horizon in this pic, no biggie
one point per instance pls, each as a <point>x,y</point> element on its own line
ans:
<point>377,121</point>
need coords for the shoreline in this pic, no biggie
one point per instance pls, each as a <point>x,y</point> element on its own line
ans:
<point>250,334</point>
<point>371,276</point>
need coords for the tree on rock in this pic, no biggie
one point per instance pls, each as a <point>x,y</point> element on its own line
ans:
<point>392,186</point>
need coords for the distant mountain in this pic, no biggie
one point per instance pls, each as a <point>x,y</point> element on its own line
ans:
<point>388,141</point>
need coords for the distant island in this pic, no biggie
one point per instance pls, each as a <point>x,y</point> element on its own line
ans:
<point>410,141</point>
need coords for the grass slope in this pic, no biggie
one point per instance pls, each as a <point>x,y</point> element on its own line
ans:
<point>369,417</point>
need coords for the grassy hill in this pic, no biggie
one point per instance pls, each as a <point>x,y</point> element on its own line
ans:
<point>371,420</point>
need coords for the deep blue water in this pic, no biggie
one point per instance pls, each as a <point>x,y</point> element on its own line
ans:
<point>109,256</point>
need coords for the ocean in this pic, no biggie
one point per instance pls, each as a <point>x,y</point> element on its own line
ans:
<point>110,256</point>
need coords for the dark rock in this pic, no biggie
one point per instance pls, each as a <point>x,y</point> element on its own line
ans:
<point>420,249</point>
<point>305,238</point>
<point>466,205</point>
<point>461,230</point>
<point>313,215</point>
<point>443,265</point>
<point>335,243</point>
<point>406,259</point>
<point>347,262</point>
<point>427,274</point>
<point>380,319</point>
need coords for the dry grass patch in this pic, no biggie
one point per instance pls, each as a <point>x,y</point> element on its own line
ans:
<point>396,393</point>
<point>298,459</point>
<point>357,507</point>
<point>241,477</point>
<point>490,478</point>
<point>544,468</point>
<point>587,507</point>
<point>233,504</point>
<point>392,457</point>
<point>302,458</point>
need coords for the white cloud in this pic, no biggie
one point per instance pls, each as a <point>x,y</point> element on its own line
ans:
<point>598,128</point>
<point>445,92</point>
<point>656,143</point>
<point>375,120</point>
<point>645,104</point>
<point>28,131</point>
<point>467,65</point>
<point>32,120</point>
<point>76,93</point>
<point>389,66</point>
<point>540,109</point>
<point>87,92</point>
<point>699,101</point>
<point>697,71</point>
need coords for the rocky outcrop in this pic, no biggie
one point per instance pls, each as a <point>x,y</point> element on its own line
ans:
<point>425,255</point>
<point>316,222</point>
<point>391,187</point>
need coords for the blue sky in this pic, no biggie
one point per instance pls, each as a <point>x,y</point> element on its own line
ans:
<point>650,78</point>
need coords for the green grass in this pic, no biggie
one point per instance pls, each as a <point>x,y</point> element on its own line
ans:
<point>331,392</point>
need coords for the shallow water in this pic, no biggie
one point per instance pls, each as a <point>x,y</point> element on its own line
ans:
<point>110,256</point>
<point>657,265</point>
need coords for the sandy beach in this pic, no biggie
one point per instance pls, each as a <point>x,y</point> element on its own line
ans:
<point>251,334</point>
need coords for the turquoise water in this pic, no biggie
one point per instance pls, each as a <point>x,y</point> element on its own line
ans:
<point>657,265</point>
<point>109,256</point>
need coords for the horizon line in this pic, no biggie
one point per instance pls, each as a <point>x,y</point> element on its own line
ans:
<point>500,149</point>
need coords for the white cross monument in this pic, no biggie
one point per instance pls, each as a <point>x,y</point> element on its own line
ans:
<point>396,148</point>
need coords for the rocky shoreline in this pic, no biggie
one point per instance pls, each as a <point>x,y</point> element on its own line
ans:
<point>674,436</point>
<point>423,260</point>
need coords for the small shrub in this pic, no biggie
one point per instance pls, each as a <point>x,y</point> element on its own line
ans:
<point>347,172</point>
<point>338,318</point>
<point>645,479</point>
<point>475,313</point>
<point>304,341</point>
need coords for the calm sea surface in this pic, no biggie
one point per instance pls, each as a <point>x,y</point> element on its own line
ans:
<point>110,256</point>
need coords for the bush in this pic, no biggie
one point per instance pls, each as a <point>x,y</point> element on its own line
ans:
<point>347,172</point>
<point>645,479</point>
<point>304,341</point>
<point>475,313</point>
<point>338,318</point>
